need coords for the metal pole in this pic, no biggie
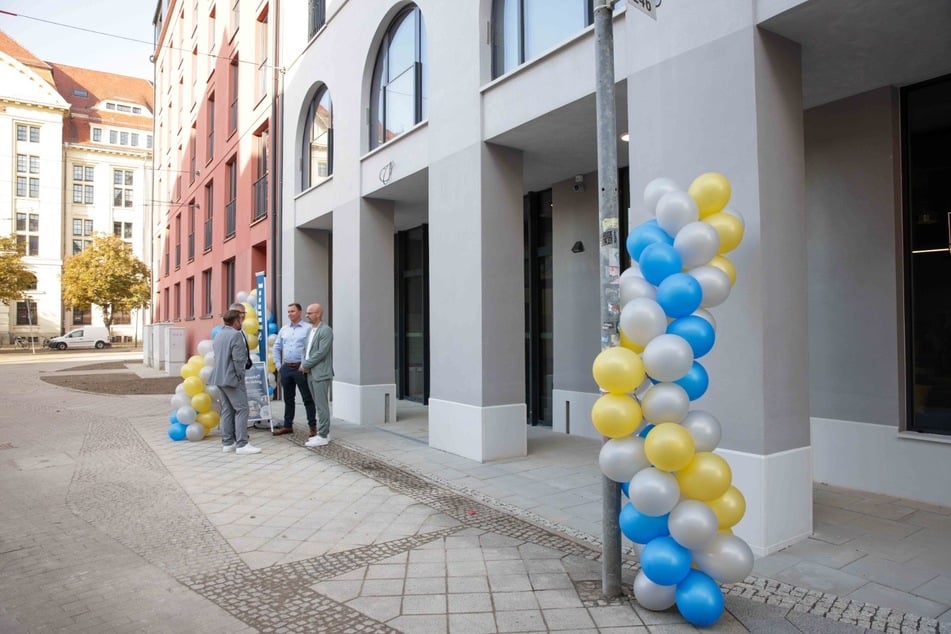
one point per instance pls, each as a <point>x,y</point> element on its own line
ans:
<point>610,265</point>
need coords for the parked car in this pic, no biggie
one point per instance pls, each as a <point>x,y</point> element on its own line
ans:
<point>87,337</point>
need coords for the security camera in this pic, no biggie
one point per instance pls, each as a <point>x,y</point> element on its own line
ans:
<point>579,183</point>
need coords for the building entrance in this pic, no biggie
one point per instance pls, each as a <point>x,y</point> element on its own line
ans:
<point>412,314</point>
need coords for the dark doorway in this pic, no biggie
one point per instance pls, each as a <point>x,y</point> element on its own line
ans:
<point>412,314</point>
<point>539,344</point>
<point>926,132</point>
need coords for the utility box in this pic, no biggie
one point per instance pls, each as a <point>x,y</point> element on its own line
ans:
<point>174,350</point>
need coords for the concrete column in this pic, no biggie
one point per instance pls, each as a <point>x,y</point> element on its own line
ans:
<point>477,322</point>
<point>364,387</point>
<point>734,105</point>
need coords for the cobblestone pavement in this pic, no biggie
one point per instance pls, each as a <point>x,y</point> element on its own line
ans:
<point>108,526</point>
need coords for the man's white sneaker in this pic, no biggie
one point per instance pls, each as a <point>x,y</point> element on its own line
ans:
<point>317,441</point>
<point>247,449</point>
<point>227,448</point>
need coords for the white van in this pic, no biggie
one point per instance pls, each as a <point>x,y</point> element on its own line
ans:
<point>87,337</point>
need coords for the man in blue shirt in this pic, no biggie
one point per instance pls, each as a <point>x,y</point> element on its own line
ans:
<point>288,353</point>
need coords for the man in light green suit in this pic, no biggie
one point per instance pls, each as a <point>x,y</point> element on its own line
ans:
<point>318,365</point>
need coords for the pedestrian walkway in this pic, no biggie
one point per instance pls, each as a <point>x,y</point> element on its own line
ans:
<point>108,526</point>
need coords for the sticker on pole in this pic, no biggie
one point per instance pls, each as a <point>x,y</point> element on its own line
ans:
<point>647,6</point>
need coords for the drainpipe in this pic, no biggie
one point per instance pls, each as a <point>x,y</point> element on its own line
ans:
<point>277,166</point>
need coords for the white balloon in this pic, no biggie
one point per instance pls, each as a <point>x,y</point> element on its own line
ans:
<point>675,210</point>
<point>210,358</point>
<point>697,243</point>
<point>654,492</point>
<point>665,403</point>
<point>205,346</point>
<point>241,297</point>
<point>186,415</point>
<point>271,339</point>
<point>692,524</point>
<point>634,287</point>
<point>205,373</point>
<point>715,284</point>
<point>655,190</point>
<point>652,596</point>
<point>179,400</point>
<point>704,428</point>
<point>727,558</point>
<point>642,319</point>
<point>667,358</point>
<point>621,458</point>
<point>706,314</point>
<point>213,392</point>
<point>195,432</point>
<point>180,388</point>
<point>255,357</point>
<point>271,380</point>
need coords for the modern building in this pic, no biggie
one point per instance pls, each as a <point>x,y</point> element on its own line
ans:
<point>439,194</point>
<point>211,217</point>
<point>79,163</point>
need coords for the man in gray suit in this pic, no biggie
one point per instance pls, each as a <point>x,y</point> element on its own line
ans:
<point>231,362</point>
<point>318,365</point>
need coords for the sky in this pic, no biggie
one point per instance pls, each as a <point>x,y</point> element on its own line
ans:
<point>97,50</point>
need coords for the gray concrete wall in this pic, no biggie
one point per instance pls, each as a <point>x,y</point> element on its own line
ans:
<point>854,369</point>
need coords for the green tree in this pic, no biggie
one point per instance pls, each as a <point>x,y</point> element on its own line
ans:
<point>107,274</point>
<point>14,276</point>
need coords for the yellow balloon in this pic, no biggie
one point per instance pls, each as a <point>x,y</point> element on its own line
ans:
<point>726,531</point>
<point>725,265</point>
<point>193,386</point>
<point>251,327</point>
<point>249,309</point>
<point>270,365</point>
<point>196,360</point>
<point>253,341</point>
<point>616,415</point>
<point>730,229</point>
<point>729,507</point>
<point>707,477</point>
<point>187,370</point>
<point>201,402</point>
<point>711,192</point>
<point>618,370</point>
<point>669,447</point>
<point>630,345</point>
<point>208,419</point>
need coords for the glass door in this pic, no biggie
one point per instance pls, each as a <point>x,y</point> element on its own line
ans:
<point>412,314</point>
<point>539,317</point>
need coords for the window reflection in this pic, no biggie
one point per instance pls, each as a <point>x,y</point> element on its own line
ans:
<point>319,141</point>
<point>399,79</point>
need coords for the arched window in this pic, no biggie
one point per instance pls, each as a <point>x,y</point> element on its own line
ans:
<point>398,91</point>
<point>317,15</point>
<point>318,155</point>
<point>523,29</point>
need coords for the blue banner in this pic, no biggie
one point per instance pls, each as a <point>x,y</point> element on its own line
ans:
<point>260,278</point>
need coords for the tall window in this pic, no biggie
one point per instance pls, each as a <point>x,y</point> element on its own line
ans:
<point>191,230</point>
<point>122,181</point>
<point>83,193</point>
<point>26,313</point>
<point>97,135</point>
<point>82,234</point>
<point>316,16</point>
<point>212,35</point>
<point>317,161</point>
<point>229,286</point>
<point>82,316</point>
<point>233,108</point>
<point>210,149</point>
<point>523,29</point>
<point>177,301</point>
<point>235,16</point>
<point>232,195</point>
<point>190,298</point>
<point>261,175</point>
<point>178,241</point>
<point>206,292</point>
<point>209,213</point>
<point>398,94</point>
<point>261,45</point>
<point>122,230</point>
<point>28,230</point>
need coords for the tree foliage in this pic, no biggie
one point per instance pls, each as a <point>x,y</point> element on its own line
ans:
<point>14,276</point>
<point>107,274</point>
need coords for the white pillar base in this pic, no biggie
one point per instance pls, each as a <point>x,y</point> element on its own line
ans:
<point>778,492</point>
<point>478,433</point>
<point>572,413</point>
<point>364,404</point>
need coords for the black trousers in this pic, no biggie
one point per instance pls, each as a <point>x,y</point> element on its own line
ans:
<point>292,379</point>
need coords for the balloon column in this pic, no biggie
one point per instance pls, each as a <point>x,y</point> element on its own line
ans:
<point>196,406</point>
<point>682,501</point>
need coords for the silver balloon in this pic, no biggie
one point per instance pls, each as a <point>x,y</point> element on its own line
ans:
<point>665,403</point>
<point>642,320</point>
<point>652,596</point>
<point>621,458</point>
<point>675,210</point>
<point>205,346</point>
<point>205,373</point>
<point>727,558</point>
<point>195,431</point>
<point>210,358</point>
<point>180,388</point>
<point>704,428</point>
<point>655,190</point>
<point>633,287</point>
<point>706,314</point>
<point>213,392</point>
<point>715,284</point>
<point>692,524</point>
<point>186,415</point>
<point>179,400</point>
<point>697,243</point>
<point>654,492</point>
<point>667,357</point>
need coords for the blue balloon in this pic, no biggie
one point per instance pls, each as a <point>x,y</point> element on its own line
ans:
<point>659,261</point>
<point>176,431</point>
<point>625,489</point>
<point>216,330</point>
<point>679,295</point>
<point>644,235</point>
<point>697,331</point>
<point>647,429</point>
<point>272,328</point>
<point>665,562</point>
<point>640,528</point>
<point>173,418</point>
<point>695,382</point>
<point>699,599</point>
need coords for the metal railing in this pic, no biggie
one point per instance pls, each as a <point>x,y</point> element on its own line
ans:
<point>260,198</point>
<point>230,218</point>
